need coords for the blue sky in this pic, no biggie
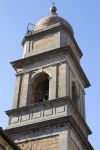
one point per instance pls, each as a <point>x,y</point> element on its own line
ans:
<point>84,16</point>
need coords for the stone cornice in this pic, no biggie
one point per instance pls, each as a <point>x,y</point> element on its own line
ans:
<point>29,60</point>
<point>52,104</point>
<point>68,119</point>
<point>51,29</point>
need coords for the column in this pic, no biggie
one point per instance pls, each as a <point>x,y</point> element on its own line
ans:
<point>62,80</point>
<point>64,140</point>
<point>52,83</point>
<point>17,92</point>
<point>24,90</point>
<point>67,80</point>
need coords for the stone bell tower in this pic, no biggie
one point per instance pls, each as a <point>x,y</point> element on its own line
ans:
<point>49,101</point>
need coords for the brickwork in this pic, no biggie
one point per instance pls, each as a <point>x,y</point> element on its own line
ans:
<point>50,143</point>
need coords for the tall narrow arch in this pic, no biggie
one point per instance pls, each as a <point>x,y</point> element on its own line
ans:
<point>74,95</point>
<point>40,87</point>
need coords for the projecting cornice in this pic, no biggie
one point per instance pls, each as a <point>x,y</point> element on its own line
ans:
<point>19,64</point>
<point>48,30</point>
<point>69,120</point>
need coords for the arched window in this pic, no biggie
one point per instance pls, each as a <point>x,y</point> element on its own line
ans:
<point>40,88</point>
<point>74,95</point>
<point>2,148</point>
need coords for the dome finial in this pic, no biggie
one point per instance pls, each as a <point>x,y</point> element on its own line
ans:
<point>53,3</point>
<point>53,9</point>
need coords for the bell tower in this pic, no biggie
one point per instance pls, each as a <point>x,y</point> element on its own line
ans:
<point>49,100</point>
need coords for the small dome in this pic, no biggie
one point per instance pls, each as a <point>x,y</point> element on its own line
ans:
<point>53,18</point>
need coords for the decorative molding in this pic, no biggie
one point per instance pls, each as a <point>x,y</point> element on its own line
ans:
<point>48,110</point>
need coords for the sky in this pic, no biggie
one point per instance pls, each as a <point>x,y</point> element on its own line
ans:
<point>84,16</point>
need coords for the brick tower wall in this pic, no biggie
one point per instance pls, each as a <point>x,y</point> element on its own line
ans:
<point>49,143</point>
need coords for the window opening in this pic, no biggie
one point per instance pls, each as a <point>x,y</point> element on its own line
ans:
<point>42,91</point>
<point>74,96</point>
<point>40,88</point>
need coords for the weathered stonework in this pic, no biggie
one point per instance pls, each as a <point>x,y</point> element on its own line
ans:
<point>49,101</point>
<point>46,111</point>
<point>49,143</point>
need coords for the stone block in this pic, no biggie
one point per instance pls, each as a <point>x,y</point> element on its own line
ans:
<point>25,117</point>
<point>48,112</point>
<point>14,120</point>
<point>36,115</point>
<point>60,109</point>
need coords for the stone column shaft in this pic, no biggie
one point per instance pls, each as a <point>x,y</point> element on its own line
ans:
<point>17,92</point>
<point>64,140</point>
<point>67,80</point>
<point>52,83</point>
<point>24,90</point>
<point>62,80</point>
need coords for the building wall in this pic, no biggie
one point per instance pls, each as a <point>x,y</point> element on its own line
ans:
<point>52,137</point>
<point>42,44</point>
<point>75,77</point>
<point>62,73</point>
<point>50,143</point>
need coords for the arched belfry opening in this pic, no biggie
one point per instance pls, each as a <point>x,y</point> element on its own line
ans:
<point>40,88</point>
<point>74,95</point>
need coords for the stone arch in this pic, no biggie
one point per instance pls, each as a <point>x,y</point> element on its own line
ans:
<point>39,87</point>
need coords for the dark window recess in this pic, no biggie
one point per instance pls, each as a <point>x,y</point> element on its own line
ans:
<point>74,96</point>
<point>42,91</point>
<point>39,88</point>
